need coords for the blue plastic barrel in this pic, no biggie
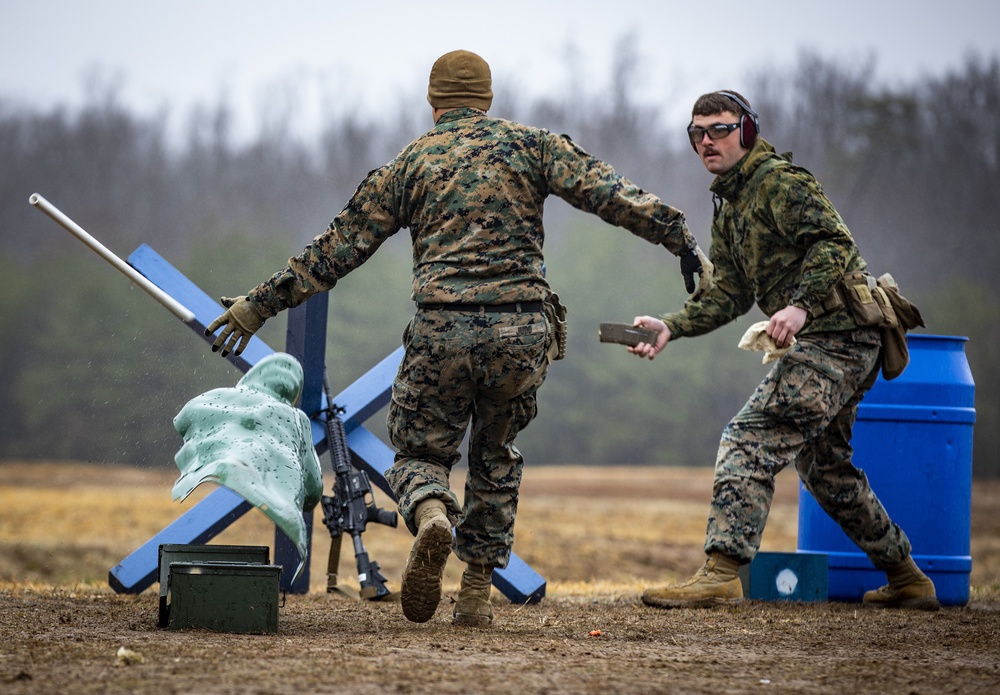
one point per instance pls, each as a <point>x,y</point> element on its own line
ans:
<point>913,439</point>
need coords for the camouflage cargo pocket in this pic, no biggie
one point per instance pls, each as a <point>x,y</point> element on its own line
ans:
<point>801,392</point>
<point>404,395</point>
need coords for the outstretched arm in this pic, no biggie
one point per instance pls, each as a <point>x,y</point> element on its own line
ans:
<point>593,186</point>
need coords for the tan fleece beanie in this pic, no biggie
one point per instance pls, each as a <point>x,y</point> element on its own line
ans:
<point>460,78</point>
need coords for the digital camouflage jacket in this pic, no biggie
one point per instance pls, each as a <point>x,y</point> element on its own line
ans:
<point>471,192</point>
<point>777,241</point>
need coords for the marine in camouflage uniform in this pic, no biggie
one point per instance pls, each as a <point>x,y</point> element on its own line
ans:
<point>778,241</point>
<point>471,192</point>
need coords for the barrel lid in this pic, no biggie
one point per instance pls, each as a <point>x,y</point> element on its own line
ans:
<point>938,375</point>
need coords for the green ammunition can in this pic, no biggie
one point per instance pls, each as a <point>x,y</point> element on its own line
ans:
<point>224,597</point>
<point>183,552</point>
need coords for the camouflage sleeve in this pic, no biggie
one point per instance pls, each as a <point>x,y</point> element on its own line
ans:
<point>729,297</point>
<point>591,185</point>
<point>368,219</point>
<point>803,213</point>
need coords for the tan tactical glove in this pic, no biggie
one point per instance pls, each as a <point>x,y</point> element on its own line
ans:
<point>695,261</point>
<point>240,322</point>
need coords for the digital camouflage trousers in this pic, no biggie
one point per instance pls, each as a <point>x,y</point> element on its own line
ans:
<point>462,368</point>
<point>803,414</point>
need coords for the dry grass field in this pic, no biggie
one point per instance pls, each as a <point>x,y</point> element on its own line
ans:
<point>598,536</point>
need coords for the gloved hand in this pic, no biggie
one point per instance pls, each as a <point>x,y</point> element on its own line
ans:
<point>695,261</point>
<point>241,321</point>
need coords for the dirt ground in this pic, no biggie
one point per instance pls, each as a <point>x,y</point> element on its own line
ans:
<point>598,536</point>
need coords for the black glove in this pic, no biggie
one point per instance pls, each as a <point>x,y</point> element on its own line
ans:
<point>695,261</point>
<point>690,264</point>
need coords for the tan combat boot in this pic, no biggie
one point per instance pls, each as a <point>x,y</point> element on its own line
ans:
<point>908,588</point>
<point>421,590</point>
<point>716,583</point>
<point>473,607</point>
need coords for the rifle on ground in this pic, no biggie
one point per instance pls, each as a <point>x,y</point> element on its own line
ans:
<point>350,508</point>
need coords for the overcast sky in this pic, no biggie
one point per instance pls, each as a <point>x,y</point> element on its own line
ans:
<point>173,55</point>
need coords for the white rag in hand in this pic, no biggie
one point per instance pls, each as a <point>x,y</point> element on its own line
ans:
<point>756,338</point>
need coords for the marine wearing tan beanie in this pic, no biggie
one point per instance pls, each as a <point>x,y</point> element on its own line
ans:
<point>460,78</point>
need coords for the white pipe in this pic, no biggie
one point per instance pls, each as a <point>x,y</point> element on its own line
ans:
<point>178,309</point>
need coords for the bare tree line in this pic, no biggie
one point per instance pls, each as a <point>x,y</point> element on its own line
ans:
<point>913,169</point>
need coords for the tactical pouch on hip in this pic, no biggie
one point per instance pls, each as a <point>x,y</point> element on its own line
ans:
<point>877,303</point>
<point>895,351</point>
<point>868,302</point>
<point>555,312</point>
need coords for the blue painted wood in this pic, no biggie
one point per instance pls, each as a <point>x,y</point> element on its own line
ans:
<point>372,456</point>
<point>518,582</point>
<point>202,523</point>
<point>370,393</point>
<point>305,340</point>
<point>205,309</point>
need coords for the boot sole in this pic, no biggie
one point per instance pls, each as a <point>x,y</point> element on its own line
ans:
<point>708,602</point>
<point>472,620</point>
<point>927,603</point>
<point>421,590</point>
<point>924,603</point>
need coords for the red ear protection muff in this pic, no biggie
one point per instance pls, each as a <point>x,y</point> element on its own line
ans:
<point>749,122</point>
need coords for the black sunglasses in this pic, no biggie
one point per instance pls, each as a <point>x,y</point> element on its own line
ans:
<point>715,132</point>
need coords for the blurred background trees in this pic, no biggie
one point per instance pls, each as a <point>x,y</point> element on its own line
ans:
<point>95,370</point>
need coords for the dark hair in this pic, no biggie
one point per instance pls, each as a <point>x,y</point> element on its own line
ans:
<point>716,102</point>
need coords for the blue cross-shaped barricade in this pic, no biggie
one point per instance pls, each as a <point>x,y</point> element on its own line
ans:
<point>305,340</point>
